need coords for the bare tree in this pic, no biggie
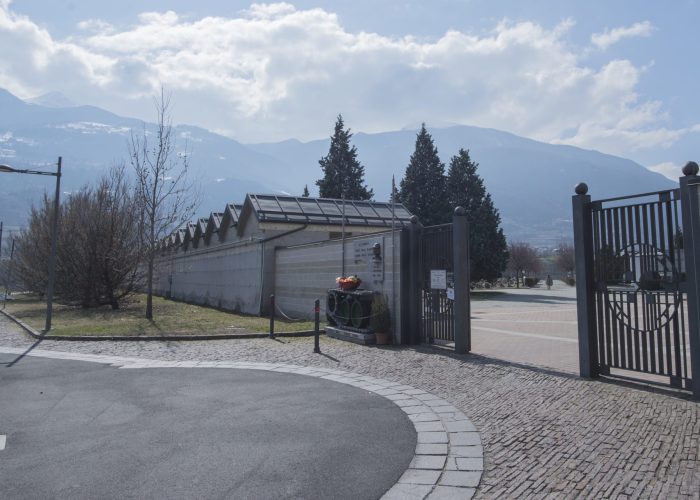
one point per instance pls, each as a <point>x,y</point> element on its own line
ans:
<point>565,259</point>
<point>522,258</point>
<point>166,197</point>
<point>98,251</point>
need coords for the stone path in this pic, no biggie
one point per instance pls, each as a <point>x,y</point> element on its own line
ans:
<point>543,435</point>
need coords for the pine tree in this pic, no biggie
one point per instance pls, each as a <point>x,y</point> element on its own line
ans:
<point>305,194</point>
<point>487,244</point>
<point>342,172</point>
<point>423,185</point>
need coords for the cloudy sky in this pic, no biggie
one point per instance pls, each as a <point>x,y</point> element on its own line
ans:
<point>618,76</point>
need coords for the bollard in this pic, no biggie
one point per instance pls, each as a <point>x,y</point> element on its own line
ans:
<point>272,316</point>
<point>317,310</point>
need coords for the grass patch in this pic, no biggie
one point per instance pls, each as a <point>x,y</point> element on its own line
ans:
<point>170,318</point>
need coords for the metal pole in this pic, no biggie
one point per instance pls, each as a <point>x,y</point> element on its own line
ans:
<point>272,316</point>
<point>690,208</point>
<point>585,299</point>
<point>462,307</point>
<point>0,239</point>
<point>52,255</point>
<point>415,305</point>
<point>342,236</point>
<point>317,310</point>
<point>393,253</point>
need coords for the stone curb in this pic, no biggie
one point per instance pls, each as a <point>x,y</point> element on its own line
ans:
<point>448,460</point>
<point>90,338</point>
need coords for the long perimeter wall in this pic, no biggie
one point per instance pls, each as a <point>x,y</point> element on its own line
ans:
<point>228,276</point>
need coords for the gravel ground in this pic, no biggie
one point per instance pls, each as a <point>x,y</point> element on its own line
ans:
<point>544,434</point>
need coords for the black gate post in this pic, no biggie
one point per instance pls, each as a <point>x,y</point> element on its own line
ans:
<point>462,312</point>
<point>690,208</point>
<point>414,298</point>
<point>585,299</point>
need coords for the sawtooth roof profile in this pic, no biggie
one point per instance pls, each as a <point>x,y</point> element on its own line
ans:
<point>270,208</point>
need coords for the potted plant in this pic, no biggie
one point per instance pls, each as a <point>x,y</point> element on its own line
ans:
<point>348,282</point>
<point>380,320</point>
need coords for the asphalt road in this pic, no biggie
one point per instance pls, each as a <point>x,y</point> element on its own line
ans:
<point>85,430</point>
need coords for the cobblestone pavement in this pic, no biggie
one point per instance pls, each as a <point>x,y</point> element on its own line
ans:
<point>544,435</point>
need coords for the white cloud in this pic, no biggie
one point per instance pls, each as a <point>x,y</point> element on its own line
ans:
<point>611,37</point>
<point>274,71</point>
<point>668,169</point>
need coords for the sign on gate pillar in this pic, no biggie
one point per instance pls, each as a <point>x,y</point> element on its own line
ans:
<point>438,279</point>
<point>462,312</point>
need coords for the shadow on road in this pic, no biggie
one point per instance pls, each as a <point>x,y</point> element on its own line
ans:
<point>16,360</point>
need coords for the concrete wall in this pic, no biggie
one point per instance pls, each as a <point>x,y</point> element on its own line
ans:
<point>225,276</point>
<point>240,272</point>
<point>304,273</point>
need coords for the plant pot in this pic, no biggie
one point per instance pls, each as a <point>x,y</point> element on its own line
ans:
<point>382,338</point>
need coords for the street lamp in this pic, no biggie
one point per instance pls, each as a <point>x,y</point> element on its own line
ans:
<point>54,232</point>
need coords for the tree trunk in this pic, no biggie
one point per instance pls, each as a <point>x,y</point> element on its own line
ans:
<point>149,288</point>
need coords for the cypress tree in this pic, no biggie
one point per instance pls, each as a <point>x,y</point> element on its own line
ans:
<point>305,194</point>
<point>342,172</point>
<point>487,244</point>
<point>423,185</point>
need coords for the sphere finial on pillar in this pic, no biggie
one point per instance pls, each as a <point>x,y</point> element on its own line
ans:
<point>460,211</point>
<point>581,188</point>
<point>691,168</point>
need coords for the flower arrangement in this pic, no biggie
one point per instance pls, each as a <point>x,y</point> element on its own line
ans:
<point>348,282</point>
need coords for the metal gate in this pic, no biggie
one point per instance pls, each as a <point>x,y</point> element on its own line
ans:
<point>632,285</point>
<point>639,286</point>
<point>436,259</point>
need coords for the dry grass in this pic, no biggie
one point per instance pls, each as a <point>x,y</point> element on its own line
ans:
<point>170,318</point>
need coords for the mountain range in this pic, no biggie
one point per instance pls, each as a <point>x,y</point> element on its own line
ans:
<point>531,182</point>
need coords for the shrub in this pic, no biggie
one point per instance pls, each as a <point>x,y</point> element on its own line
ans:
<point>569,281</point>
<point>380,320</point>
<point>530,281</point>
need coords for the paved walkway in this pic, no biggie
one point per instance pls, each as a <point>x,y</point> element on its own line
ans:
<point>543,434</point>
<point>532,326</point>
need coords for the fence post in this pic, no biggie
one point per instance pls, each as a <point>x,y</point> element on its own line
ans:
<point>317,310</point>
<point>414,297</point>
<point>585,292</point>
<point>690,209</point>
<point>272,316</point>
<point>462,307</point>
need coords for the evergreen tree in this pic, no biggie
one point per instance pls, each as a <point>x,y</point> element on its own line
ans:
<point>423,185</point>
<point>342,172</point>
<point>487,244</point>
<point>305,194</point>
